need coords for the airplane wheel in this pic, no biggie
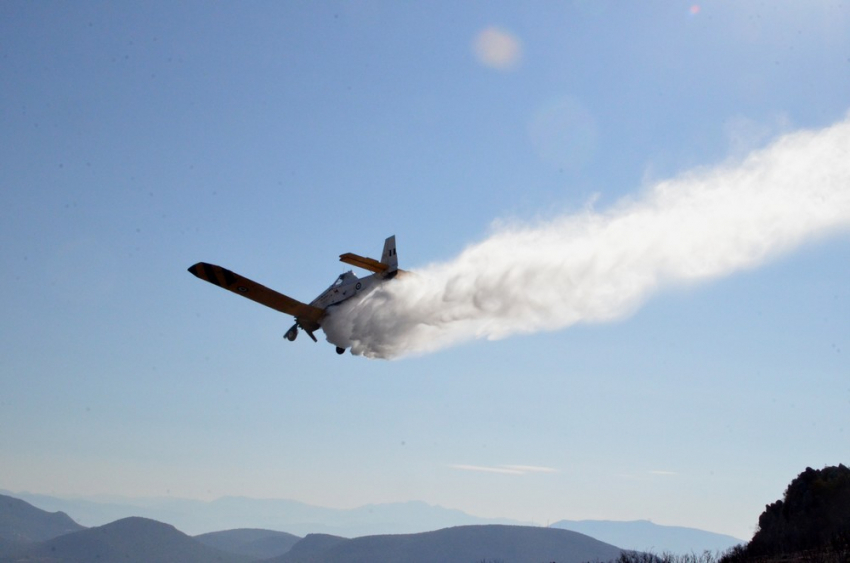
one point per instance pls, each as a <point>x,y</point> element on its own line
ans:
<point>340,350</point>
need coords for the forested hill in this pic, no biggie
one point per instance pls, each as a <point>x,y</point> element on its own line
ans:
<point>814,512</point>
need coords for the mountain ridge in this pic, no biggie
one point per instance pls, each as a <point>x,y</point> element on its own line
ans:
<point>226,513</point>
<point>22,524</point>
<point>458,544</point>
<point>644,535</point>
<point>129,540</point>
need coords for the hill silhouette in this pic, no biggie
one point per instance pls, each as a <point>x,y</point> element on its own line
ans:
<point>22,524</point>
<point>462,544</point>
<point>813,515</point>
<point>131,540</point>
<point>260,544</point>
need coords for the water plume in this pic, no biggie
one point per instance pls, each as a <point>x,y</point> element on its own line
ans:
<point>596,266</point>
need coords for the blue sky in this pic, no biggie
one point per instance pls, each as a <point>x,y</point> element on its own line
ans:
<point>272,137</point>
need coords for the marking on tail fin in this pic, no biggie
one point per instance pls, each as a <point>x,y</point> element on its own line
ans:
<point>389,256</point>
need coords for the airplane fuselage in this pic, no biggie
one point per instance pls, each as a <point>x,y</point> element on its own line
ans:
<point>345,287</point>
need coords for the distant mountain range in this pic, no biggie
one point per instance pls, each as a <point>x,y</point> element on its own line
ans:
<point>27,530</point>
<point>643,535</point>
<point>198,517</point>
<point>142,540</point>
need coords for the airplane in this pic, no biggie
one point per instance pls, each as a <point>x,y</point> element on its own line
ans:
<point>308,317</point>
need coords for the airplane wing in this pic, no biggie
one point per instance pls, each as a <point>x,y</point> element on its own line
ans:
<point>366,263</point>
<point>222,277</point>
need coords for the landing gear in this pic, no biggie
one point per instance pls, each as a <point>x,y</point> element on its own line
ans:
<point>292,333</point>
<point>340,350</point>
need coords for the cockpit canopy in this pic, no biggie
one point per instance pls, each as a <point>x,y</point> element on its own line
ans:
<point>347,277</point>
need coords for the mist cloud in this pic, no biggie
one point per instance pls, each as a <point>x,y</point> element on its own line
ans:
<point>598,266</point>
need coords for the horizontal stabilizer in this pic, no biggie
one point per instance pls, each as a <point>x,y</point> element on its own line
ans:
<point>361,262</point>
<point>307,315</point>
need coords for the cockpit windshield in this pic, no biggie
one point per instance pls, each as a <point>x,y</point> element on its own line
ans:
<point>339,280</point>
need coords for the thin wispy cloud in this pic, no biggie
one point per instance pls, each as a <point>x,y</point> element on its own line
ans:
<point>600,266</point>
<point>531,468</point>
<point>505,469</point>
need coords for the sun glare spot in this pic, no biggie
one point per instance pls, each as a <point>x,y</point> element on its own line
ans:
<point>694,9</point>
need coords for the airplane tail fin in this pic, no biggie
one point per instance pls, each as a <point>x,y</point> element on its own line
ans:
<point>389,256</point>
<point>388,266</point>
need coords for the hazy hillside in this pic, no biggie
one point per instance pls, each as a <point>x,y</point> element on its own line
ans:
<point>260,544</point>
<point>20,522</point>
<point>89,512</point>
<point>463,544</point>
<point>643,535</point>
<point>312,547</point>
<point>198,517</point>
<point>131,540</point>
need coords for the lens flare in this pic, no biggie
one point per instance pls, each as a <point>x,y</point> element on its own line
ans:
<point>497,48</point>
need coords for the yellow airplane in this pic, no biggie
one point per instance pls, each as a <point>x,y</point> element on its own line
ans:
<point>308,317</point>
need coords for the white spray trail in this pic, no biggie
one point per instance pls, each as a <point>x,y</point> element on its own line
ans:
<point>597,266</point>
